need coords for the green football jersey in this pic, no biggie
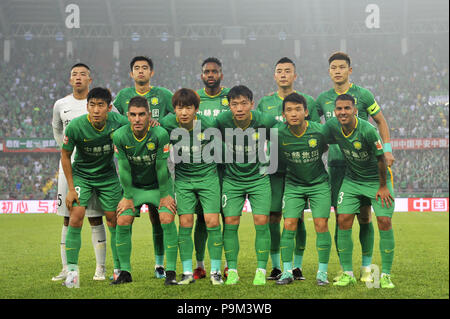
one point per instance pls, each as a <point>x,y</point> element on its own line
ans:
<point>243,167</point>
<point>273,105</point>
<point>212,106</point>
<point>142,154</point>
<point>94,148</point>
<point>195,167</point>
<point>159,99</point>
<point>360,148</point>
<point>303,154</point>
<point>365,103</point>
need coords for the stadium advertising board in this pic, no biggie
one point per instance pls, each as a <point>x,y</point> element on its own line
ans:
<point>30,145</point>
<point>418,143</point>
<point>50,206</point>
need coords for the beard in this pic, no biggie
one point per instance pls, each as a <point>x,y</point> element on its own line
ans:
<point>213,85</point>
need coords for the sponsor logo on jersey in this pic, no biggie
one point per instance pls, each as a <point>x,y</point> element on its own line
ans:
<point>151,146</point>
<point>255,136</point>
<point>128,147</point>
<point>378,145</point>
<point>201,136</point>
<point>271,107</point>
<point>166,148</point>
<point>312,142</point>
<point>155,113</point>
<point>357,145</point>
<point>87,139</point>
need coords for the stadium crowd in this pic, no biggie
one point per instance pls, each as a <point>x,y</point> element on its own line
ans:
<point>412,90</point>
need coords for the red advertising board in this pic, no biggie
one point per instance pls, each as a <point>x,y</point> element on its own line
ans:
<point>428,204</point>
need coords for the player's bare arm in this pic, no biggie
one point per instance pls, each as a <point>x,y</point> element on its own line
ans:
<point>383,128</point>
<point>383,192</point>
<point>67,168</point>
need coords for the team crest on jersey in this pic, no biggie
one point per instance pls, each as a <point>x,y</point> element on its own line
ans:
<point>151,146</point>
<point>166,148</point>
<point>357,145</point>
<point>154,101</point>
<point>312,143</point>
<point>65,140</point>
<point>200,136</point>
<point>224,101</point>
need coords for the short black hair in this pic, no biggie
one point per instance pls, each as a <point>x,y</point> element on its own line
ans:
<point>295,98</point>
<point>240,90</point>
<point>139,101</point>
<point>100,93</point>
<point>285,60</point>
<point>339,56</point>
<point>185,97</point>
<point>141,58</point>
<point>345,97</point>
<point>79,65</point>
<point>212,60</point>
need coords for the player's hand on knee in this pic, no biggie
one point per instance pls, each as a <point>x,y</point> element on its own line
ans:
<point>72,196</point>
<point>123,205</point>
<point>169,203</point>
<point>385,196</point>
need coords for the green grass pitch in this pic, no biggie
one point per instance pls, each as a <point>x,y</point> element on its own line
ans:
<point>29,249</point>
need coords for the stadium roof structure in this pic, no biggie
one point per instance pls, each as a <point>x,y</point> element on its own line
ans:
<point>179,19</point>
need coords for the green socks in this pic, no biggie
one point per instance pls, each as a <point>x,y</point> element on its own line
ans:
<point>387,245</point>
<point>262,245</point>
<point>200,237</point>
<point>287,248</point>
<point>123,246</point>
<point>116,262</point>
<point>345,244</point>
<point>170,245</point>
<point>367,239</point>
<point>300,244</point>
<point>215,246</point>
<point>275,237</point>
<point>231,245</point>
<point>73,245</point>
<point>323,246</point>
<point>158,243</point>
<point>186,247</point>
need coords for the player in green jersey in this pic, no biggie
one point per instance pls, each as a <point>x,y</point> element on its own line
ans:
<point>301,144</point>
<point>213,101</point>
<point>245,175</point>
<point>340,70</point>
<point>142,153</point>
<point>367,179</point>
<point>160,102</point>
<point>285,76</point>
<point>92,171</point>
<point>196,181</point>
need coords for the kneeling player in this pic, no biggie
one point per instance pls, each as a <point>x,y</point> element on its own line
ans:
<point>142,153</point>
<point>301,145</point>
<point>195,181</point>
<point>365,179</point>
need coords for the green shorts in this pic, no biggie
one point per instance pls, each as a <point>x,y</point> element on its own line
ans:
<point>296,197</point>
<point>190,193</point>
<point>336,175</point>
<point>108,191</point>
<point>277,185</point>
<point>354,194</point>
<point>150,197</point>
<point>234,193</point>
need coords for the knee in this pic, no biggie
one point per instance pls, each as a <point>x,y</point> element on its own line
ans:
<point>95,221</point>
<point>321,225</point>
<point>212,220</point>
<point>166,218</point>
<point>186,221</point>
<point>384,223</point>
<point>290,224</point>
<point>275,217</point>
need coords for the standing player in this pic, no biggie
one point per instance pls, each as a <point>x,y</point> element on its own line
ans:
<point>243,177</point>
<point>142,153</point>
<point>301,144</point>
<point>213,101</point>
<point>64,111</point>
<point>367,179</point>
<point>285,76</point>
<point>160,102</point>
<point>92,171</point>
<point>340,70</point>
<point>196,181</point>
